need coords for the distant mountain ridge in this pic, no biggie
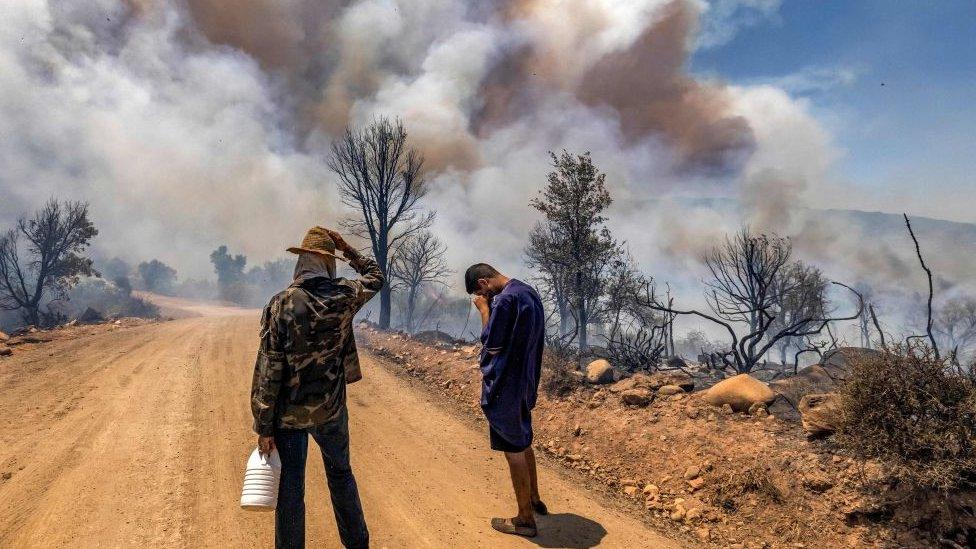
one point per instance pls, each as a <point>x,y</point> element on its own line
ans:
<point>930,230</point>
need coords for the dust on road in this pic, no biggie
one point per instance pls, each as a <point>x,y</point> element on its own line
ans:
<point>138,438</point>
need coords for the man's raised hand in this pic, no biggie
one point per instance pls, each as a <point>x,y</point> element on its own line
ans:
<point>340,243</point>
<point>265,445</point>
<point>480,302</point>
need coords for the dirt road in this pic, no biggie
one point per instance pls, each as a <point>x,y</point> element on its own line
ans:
<point>137,438</point>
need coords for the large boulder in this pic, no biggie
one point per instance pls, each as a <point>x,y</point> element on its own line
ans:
<point>821,414</point>
<point>626,384</point>
<point>675,363</point>
<point>739,392</point>
<point>838,361</point>
<point>600,372</point>
<point>637,397</point>
<point>825,377</point>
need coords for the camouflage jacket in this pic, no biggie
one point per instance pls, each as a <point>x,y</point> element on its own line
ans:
<point>308,351</point>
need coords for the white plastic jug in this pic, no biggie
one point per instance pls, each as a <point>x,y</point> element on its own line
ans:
<point>261,478</point>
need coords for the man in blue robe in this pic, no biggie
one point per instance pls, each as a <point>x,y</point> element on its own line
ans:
<point>512,337</point>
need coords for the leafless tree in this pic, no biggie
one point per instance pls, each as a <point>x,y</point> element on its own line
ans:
<point>382,178</point>
<point>954,326</point>
<point>581,247</point>
<point>928,273</point>
<point>800,292</point>
<point>744,290</point>
<point>55,237</point>
<point>639,336</point>
<point>864,320</point>
<point>624,284</point>
<point>744,274</point>
<point>417,262</point>
<point>810,345</point>
<point>877,327</point>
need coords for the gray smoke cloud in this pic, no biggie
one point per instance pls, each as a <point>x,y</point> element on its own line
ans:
<point>192,123</point>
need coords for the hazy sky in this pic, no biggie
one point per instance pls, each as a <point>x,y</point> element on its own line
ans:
<point>187,125</point>
<point>893,81</point>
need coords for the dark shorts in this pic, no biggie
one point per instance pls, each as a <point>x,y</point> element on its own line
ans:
<point>499,443</point>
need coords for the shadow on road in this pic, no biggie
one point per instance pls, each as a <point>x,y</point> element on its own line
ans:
<point>569,531</point>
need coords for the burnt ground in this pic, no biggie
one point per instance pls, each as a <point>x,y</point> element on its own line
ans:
<point>724,479</point>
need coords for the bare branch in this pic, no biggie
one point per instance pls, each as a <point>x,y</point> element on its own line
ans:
<point>928,273</point>
<point>877,326</point>
<point>419,261</point>
<point>381,178</point>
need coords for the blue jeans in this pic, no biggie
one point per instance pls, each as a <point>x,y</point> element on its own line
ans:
<point>333,441</point>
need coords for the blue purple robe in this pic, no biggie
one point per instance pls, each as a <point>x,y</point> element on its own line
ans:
<point>511,361</point>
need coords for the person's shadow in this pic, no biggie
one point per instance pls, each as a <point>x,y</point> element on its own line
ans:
<point>569,531</point>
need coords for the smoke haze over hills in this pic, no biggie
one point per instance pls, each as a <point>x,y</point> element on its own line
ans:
<point>192,124</point>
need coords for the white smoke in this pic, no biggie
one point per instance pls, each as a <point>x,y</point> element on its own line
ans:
<point>187,126</point>
<point>177,149</point>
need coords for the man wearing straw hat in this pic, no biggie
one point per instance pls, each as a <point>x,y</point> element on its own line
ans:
<point>306,356</point>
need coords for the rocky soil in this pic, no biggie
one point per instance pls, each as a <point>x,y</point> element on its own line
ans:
<point>728,479</point>
<point>29,339</point>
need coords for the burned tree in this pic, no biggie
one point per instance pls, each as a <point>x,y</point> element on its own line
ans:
<point>624,285</point>
<point>382,179</point>
<point>745,290</point>
<point>639,336</point>
<point>864,319</point>
<point>54,239</point>
<point>800,295</point>
<point>954,326</point>
<point>928,274</point>
<point>580,247</point>
<point>419,261</point>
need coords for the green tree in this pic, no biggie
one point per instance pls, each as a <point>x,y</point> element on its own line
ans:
<point>157,276</point>
<point>579,248</point>
<point>49,260</point>
<point>230,274</point>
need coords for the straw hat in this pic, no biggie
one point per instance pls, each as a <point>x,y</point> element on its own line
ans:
<point>316,241</point>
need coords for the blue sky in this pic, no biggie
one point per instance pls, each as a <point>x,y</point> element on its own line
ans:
<point>893,80</point>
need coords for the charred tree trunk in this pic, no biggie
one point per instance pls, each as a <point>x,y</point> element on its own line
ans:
<point>411,306</point>
<point>563,317</point>
<point>581,311</point>
<point>382,256</point>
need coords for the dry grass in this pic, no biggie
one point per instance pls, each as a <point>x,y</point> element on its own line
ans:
<point>757,480</point>
<point>559,371</point>
<point>915,415</point>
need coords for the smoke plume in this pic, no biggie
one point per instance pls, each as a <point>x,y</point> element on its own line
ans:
<point>192,123</point>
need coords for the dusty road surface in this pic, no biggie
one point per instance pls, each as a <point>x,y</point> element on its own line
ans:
<point>137,437</point>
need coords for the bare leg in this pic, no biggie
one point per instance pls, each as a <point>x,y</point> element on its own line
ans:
<point>518,466</point>
<point>533,476</point>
